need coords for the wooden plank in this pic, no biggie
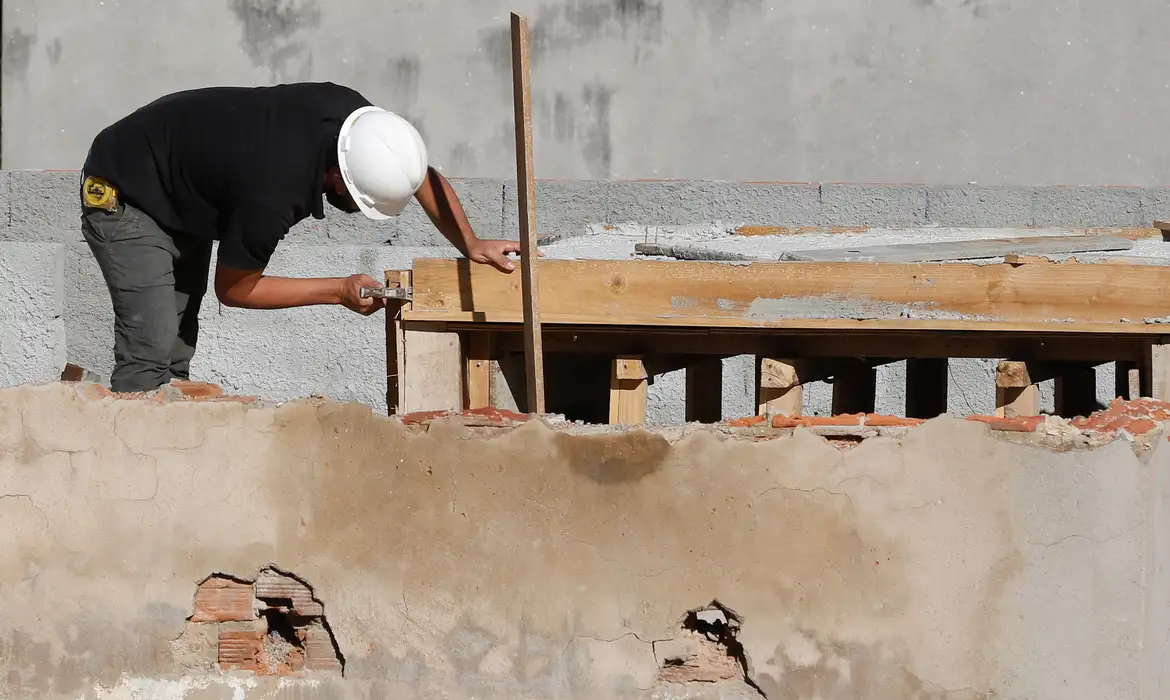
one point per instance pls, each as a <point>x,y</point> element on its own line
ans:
<point>926,387</point>
<point>1076,391</point>
<point>627,396</point>
<point>394,340</point>
<point>855,390</point>
<point>814,296</point>
<point>526,201</point>
<point>478,373</point>
<point>962,250</point>
<point>779,390</point>
<point>430,369</point>
<point>704,400</point>
<point>1016,392</point>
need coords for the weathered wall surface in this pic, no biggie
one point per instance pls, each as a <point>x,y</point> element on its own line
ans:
<point>1012,91</point>
<point>48,316</point>
<point>947,564</point>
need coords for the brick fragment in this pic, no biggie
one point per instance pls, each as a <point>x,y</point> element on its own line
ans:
<point>843,420</point>
<point>319,652</point>
<point>749,422</point>
<point>498,415</point>
<point>421,417</point>
<point>1017,424</point>
<point>93,392</point>
<point>198,390</point>
<point>223,600</point>
<point>877,421</point>
<point>275,589</point>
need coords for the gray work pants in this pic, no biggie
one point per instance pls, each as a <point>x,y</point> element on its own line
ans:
<point>156,283</point>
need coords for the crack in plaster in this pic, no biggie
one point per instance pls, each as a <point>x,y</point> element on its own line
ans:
<point>1091,540</point>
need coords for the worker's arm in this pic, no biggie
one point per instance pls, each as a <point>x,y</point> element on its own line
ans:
<point>439,201</point>
<point>252,289</point>
<point>248,242</point>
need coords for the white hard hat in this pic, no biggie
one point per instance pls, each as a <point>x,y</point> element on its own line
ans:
<point>383,161</point>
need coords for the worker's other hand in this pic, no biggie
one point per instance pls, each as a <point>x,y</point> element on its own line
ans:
<point>495,253</point>
<point>351,295</point>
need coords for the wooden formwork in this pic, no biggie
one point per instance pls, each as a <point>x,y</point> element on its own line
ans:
<point>804,321</point>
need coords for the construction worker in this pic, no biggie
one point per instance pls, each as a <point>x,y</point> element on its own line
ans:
<point>241,166</point>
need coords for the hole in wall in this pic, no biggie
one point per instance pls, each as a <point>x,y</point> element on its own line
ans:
<point>706,650</point>
<point>273,625</point>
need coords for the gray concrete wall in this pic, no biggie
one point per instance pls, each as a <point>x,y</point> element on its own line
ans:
<point>56,305</point>
<point>948,563</point>
<point>997,92</point>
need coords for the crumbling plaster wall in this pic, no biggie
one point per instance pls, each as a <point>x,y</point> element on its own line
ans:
<point>949,564</point>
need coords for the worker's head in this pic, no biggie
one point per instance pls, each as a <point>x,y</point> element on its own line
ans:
<point>381,163</point>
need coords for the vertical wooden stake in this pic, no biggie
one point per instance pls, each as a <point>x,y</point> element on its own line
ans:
<point>395,382</point>
<point>705,391</point>
<point>526,200</point>
<point>628,386</point>
<point>1127,380</point>
<point>1158,371</point>
<point>778,388</point>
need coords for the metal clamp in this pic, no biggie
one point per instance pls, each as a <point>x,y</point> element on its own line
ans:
<point>403,293</point>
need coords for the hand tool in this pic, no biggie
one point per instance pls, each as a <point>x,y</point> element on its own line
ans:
<point>403,293</point>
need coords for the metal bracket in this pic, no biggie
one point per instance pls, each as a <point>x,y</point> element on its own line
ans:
<point>403,293</point>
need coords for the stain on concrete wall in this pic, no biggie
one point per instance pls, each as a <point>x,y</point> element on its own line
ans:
<point>274,35</point>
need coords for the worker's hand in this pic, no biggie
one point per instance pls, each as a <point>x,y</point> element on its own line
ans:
<point>351,295</point>
<point>494,253</point>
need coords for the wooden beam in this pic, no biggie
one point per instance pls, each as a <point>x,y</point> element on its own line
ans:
<point>704,400</point>
<point>813,296</point>
<point>627,392</point>
<point>526,201</point>
<point>648,340</point>
<point>478,370</point>
<point>1016,392</point>
<point>855,389</point>
<point>1076,391</point>
<point>926,387</point>
<point>963,250</point>
<point>394,340</point>
<point>779,390</point>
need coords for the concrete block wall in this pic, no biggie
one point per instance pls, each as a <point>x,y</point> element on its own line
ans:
<point>56,308</point>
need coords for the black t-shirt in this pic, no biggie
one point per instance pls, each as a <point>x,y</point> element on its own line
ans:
<point>240,165</point>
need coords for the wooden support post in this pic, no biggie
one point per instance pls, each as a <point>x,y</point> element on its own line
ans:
<point>778,388</point>
<point>1016,391</point>
<point>1076,391</point>
<point>477,388</point>
<point>394,340</point>
<point>926,387</point>
<point>1155,377</point>
<point>705,391</point>
<point>1127,380</point>
<point>855,389</point>
<point>526,200</point>
<point>627,391</point>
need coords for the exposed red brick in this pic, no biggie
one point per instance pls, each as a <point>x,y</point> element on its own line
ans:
<point>274,587</point>
<point>93,392</point>
<point>749,422</point>
<point>198,390</point>
<point>1136,417</point>
<point>845,419</point>
<point>421,417</point>
<point>1017,424</point>
<point>878,421</point>
<point>223,600</point>
<point>242,650</point>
